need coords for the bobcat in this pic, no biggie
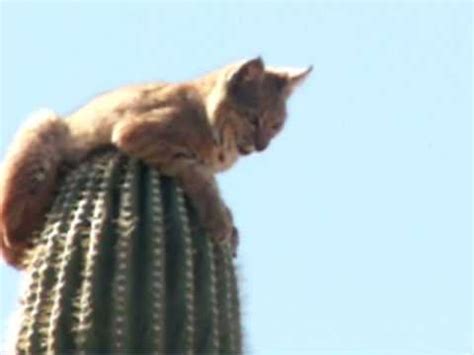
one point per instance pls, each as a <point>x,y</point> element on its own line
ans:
<point>188,130</point>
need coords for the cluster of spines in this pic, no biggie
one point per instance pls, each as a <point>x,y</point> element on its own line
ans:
<point>155,271</point>
<point>123,265</point>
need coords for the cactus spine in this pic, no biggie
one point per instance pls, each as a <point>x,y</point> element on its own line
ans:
<point>122,266</point>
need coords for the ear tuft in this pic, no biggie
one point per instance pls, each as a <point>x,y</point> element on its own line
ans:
<point>297,76</point>
<point>292,76</point>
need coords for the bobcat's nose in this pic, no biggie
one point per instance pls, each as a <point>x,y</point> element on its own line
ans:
<point>261,138</point>
<point>261,144</point>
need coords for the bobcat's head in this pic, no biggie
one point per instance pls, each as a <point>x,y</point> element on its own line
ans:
<point>251,98</point>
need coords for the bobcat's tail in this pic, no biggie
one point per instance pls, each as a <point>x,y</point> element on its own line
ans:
<point>27,181</point>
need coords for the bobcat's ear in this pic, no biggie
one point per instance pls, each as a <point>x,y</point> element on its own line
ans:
<point>292,77</point>
<point>244,80</point>
<point>297,76</point>
<point>247,71</point>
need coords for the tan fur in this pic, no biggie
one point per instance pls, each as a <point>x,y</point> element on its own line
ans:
<point>189,130</point>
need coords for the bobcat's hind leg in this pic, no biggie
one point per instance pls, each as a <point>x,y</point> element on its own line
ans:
<point>27,181</point>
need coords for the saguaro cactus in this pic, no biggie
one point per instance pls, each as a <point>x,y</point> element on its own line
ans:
<point>123,266</point>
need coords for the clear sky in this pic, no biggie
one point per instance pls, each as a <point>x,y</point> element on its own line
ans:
<point>356,223</point>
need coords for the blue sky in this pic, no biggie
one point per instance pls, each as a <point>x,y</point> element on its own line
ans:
<point>356,223</point>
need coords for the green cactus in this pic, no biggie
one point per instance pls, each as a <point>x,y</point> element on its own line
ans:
<point>122,266</point>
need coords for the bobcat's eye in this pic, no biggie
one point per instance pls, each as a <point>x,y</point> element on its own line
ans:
<point>276,126</point>
<point>253,118</point>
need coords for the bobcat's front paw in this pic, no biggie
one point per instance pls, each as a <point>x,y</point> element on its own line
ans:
<point>221,228</point>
